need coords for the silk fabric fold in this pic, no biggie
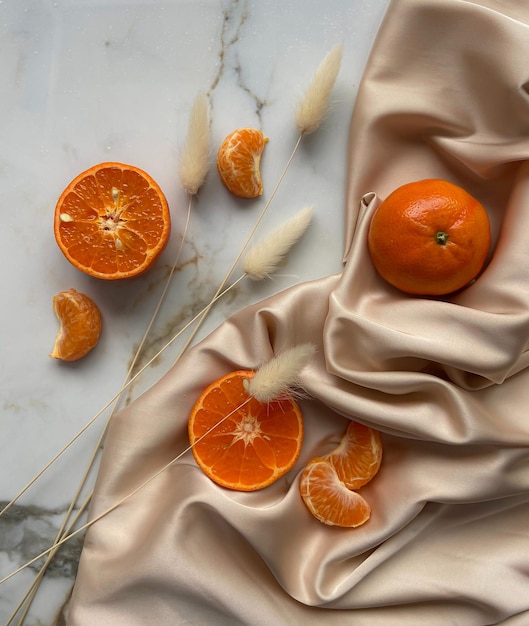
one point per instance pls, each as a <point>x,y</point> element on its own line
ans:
<point>445,380</point>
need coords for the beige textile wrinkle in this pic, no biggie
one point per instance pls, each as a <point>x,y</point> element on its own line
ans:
<point>445,380</point>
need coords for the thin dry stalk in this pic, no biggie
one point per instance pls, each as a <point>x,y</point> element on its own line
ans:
<point>32,591</point>
<point>64,529</point>
<point>100,516</point>
<point>287,366</point>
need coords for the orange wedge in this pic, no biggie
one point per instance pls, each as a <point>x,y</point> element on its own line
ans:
<point>239,161</point>
<point>80,325</point>
<point>328,499</point>
<point>358,456</point>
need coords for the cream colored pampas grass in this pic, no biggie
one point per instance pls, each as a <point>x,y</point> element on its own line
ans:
<point>280,376</point>
<point>314,105</point>
<point>264,257</point>
<point>194,162</point>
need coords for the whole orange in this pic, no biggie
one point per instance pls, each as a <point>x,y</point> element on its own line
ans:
<point>429,237</point>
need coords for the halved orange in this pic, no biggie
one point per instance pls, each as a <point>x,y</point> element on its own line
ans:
<point>112,221</point>
<point>358,456</point>
<point>80,325</point>
<point>239,161</point>
<point>328,499</point>
<point>239,442</point>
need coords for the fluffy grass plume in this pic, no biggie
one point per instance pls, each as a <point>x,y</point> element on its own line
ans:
<point>194,163</point>
<point>280,375</point>
<point>313,106</point>
<point>264,257</point>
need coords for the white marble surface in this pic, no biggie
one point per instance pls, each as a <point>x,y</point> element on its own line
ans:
<point>86,81</point>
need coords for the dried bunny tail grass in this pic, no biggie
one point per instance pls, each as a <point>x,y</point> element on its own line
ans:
<point>313,107</point>
<point>279,376</point>
<point>194,163</point>
<point>263,258</point>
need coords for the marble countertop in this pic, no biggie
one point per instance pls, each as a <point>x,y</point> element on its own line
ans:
<point>86,81</point>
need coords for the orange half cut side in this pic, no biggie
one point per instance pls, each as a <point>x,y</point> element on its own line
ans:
<point>112,221</point>
<point>239,442</point>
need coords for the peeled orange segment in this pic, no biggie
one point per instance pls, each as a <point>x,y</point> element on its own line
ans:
<point>358,456</point>
<point>328,499</point>
<point>80,325</point>
<point>239,161</point>
<point>112,221</point>
<point>241,443</point>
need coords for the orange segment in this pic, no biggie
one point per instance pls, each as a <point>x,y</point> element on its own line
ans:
<point>80,325</point>
<point>328,499</point>
<point>253,445</point>
<point>358,457</point>
<point>239,160</point>
<point>429,237</point>
<point>112,221</point>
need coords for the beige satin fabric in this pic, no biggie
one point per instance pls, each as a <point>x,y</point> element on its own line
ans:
<point>445,94</point>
